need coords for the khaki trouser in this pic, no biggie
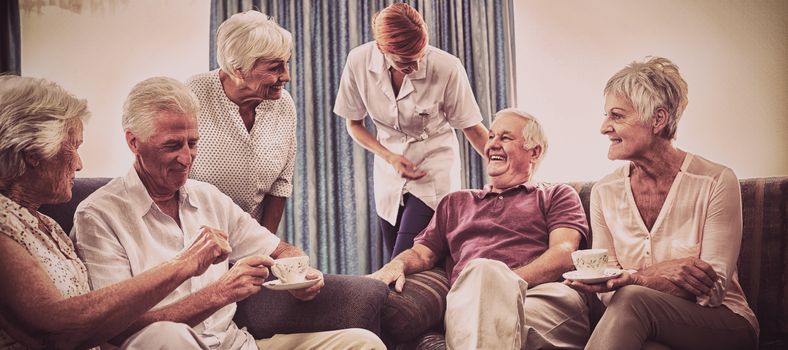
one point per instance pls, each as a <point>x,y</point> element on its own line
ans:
<point>490,307</point>
<point>639,317</point>
<point>171,335</point>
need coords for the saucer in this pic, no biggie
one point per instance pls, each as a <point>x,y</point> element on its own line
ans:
<point>278,285</point>
<point>591,279</point>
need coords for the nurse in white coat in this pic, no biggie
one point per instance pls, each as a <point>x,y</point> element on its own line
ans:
<point>416,95</point>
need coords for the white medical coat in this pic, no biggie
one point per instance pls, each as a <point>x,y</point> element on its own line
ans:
<point>419,123</point>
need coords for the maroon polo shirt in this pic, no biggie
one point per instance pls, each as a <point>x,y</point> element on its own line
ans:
<point>512,226</point>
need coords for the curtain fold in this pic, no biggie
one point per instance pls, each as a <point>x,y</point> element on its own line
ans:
<point>331,214</point>
<point>10,39</point>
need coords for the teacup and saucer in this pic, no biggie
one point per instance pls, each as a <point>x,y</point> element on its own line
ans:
<point>291,273</point>
<point>591,265</point>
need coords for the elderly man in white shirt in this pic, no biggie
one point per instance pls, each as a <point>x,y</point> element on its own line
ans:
<point>148,216</point>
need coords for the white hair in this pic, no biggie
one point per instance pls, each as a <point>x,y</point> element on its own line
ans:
<point>650,85</point>
<point>248,36</point>
<point>35,116</point>
<point>533,134</point>
<point>152,96</point>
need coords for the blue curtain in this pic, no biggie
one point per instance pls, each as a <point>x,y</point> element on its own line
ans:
<point>10,39</point>
<point>331,214</point>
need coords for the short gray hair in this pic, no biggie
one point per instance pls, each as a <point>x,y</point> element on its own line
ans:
<point>650,85</point>
<point>152,96</point>
<point>248,36</point>
<point>35,116</point>
<point>533,133</point>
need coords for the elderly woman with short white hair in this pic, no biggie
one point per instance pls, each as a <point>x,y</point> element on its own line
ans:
<point>45,297</point>
<point>247,120</point>
<point>671,220</point>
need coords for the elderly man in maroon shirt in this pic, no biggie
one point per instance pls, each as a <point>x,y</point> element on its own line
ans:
<point>505,247</point>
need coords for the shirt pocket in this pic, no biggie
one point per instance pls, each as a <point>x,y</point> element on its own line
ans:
<point>681,249</point>
<point>423,120</point>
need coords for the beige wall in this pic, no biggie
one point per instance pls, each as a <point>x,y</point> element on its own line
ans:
<point>733,55</point>
<point>101,49</point>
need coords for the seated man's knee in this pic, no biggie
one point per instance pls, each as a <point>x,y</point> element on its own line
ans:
<point>358,338</point>
<point>482,265</point>
<point>163,335</point>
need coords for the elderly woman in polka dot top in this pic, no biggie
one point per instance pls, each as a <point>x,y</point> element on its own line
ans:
<point>247,121</point>
<point>45,298</point>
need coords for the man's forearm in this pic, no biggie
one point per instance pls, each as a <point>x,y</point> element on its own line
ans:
<point>286,250</point>
<point>548,267</point>
<point>413,261</point>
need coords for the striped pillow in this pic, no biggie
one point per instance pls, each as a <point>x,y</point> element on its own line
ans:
<point>419,308</point>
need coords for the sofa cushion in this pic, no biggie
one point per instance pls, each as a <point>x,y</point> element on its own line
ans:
<point>420,306</point>
<point>63,213</point>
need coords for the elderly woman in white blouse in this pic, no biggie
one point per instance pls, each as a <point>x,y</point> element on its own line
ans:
<point>671,219</point>
<point>247,120</point>
<point>45,298</point>
<point>416,95</point>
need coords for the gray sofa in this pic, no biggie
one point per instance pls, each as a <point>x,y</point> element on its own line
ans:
<point>414,318</point>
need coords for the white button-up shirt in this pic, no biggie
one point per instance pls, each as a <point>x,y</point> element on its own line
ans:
<point>418,123</point>
<point>120,233</point>
<point>701,218</point>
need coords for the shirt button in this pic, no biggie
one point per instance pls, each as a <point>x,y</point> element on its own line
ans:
<point>500,197</point>
<point>648,253</point>
<point>647,238</point>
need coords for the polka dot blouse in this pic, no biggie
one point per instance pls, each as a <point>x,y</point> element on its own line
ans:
<point>245,165</point>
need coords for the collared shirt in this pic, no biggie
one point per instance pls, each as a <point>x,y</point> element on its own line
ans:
<point>418,123</point>
<point>120,233</point>
<point>513,226</point>
<point>245,165</point>
<point>53,251</point>
<point>701,218</point>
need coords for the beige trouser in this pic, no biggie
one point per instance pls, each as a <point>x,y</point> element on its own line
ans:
<point>490,307</point>
<point>171,335</point>
<point>652,319</point>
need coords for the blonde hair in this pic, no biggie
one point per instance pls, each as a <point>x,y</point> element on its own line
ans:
<point>35,116</point>
<point>248,36</point>
<point>400,30</point>
<point>154,95</point>
<point>650,85</point>
<point>533,133</point>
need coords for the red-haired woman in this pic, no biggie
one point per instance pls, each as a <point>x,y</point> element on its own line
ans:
<point>416,95</point>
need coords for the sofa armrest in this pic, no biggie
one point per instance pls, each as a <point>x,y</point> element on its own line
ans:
<point>419,308</point>
<point>344,302</point>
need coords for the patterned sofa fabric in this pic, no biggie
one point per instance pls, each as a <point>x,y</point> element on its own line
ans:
<point>762,272</point>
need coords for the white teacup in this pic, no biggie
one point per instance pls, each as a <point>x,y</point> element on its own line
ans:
<point>291,270</point>
<point>591,262</point>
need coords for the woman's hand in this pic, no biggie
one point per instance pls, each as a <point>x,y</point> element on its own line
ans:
<point>610,285</point>
<point>404,167</point>
<point>691,274</point>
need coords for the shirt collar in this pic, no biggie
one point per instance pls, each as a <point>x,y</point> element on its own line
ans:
<point>140,200</point>
<point>529,187</point>
<point>378,64</point>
